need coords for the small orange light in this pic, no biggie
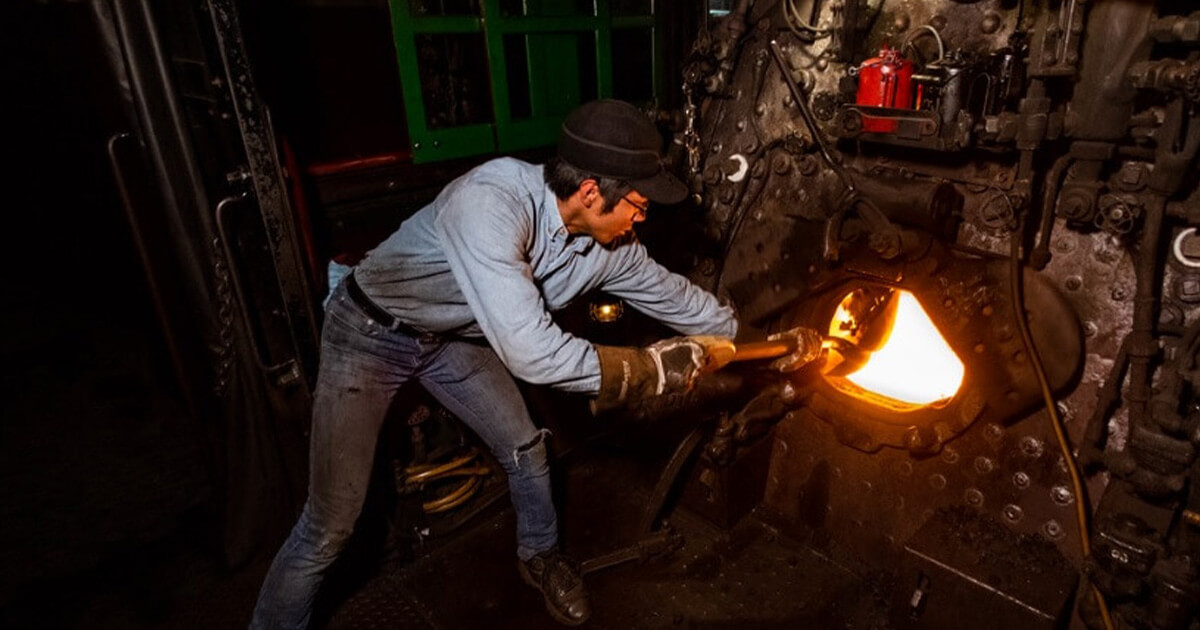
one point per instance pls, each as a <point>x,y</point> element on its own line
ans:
<point>606,312</point>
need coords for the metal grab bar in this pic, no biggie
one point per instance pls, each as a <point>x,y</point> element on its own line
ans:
<point>139,242</point>
<point>221,212</point>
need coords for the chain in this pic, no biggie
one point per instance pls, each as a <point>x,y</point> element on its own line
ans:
<point>691,139</point>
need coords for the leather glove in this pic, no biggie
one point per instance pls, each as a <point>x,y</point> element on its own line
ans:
<point>808,348</point>
<point>666,366</point>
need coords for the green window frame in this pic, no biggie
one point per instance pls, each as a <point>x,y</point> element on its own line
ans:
<point>549,34</point>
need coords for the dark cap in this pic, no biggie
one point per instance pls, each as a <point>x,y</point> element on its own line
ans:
<point>614,139</point>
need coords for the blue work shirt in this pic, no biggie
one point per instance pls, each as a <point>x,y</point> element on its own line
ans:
<point>491,257</point>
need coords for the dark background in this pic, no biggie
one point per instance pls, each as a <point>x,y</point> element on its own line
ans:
<point>111,514</point>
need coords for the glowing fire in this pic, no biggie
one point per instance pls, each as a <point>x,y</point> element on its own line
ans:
<point>908,363</point>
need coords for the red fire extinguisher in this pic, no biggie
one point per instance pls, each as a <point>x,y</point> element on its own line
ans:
<point>884,81</point>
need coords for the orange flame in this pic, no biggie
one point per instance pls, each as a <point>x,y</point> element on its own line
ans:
<point>909,366</point>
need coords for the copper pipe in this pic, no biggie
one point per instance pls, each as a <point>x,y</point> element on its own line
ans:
<point>417,474</point>
<point>454,499</point>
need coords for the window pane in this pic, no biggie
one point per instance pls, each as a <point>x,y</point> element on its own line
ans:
<point>633,64</point>
<point>433,8</point>
<point>547,8</point>
<point>454,79</point>
<point>720,8</point>
<point>549,74</point>
<point>516,63</point>
<point>633,7</point>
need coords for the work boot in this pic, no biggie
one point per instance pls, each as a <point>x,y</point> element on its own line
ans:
<point>561,584</point>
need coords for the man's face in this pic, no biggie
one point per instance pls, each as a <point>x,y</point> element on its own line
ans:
<point>608,224</point>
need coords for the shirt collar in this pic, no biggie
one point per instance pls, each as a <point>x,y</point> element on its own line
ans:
<point>552,223</point>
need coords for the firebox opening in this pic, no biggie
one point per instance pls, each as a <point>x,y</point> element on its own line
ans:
<point>906,363</point>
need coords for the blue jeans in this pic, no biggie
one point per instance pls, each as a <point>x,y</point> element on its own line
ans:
<point>362,366</point>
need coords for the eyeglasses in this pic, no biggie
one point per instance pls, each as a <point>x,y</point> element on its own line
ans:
<point>641,208</point>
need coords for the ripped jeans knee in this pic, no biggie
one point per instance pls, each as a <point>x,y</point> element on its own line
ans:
<point>530,457</point>
<point>528,471</point>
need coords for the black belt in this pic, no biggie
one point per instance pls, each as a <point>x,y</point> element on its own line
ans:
<point>375,311</point>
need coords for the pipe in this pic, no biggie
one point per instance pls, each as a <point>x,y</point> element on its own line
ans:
<point>1102,101</point>
<point>1040,256</point>
<point>1095,436</point>
<point>809,120</point>
<point>1142,346</point>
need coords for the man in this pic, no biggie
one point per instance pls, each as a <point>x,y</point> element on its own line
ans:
<point>459,299</point>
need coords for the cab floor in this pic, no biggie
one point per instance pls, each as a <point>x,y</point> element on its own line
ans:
<point>748,577</point>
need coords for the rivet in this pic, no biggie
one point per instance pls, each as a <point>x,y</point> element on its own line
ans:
<point>950,456</point>
<point>1031,446</point>
<point>808,165</point>
<point>973,497</point>
<point>1020,480</point>
<point>782,164</point>
<point>1053,530</point>
<point>1062,495</point>
<point>1063,244</point>
<point>990,23</point>
<point>984,465</point>
<point>937,481</point>
<point>1013,513</point>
